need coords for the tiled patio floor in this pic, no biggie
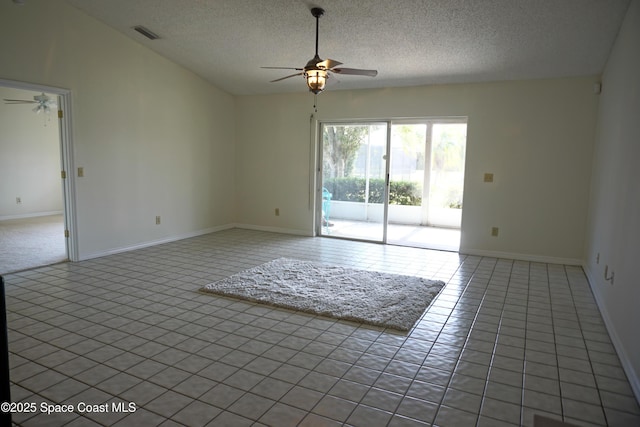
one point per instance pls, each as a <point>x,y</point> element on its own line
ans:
<point>447,239</point>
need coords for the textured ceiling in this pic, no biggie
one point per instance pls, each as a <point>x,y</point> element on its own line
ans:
<point>409,42</point>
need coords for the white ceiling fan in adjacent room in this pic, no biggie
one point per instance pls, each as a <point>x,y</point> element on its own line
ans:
<point>44,103</point>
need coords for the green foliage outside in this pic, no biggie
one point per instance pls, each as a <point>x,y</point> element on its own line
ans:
<point>353,190</point>
<point>341,145</point>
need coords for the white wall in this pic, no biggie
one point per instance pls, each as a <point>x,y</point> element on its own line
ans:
<point>272,170</point>
<point>152,137</point>
<point>29,158</point>
<point>536,137</point>
<point>614,220</point>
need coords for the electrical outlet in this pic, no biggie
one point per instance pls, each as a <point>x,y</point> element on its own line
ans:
<point>494,231</point>
<point>80,172</point>
<point>18,200</point>
<point>488,177</point>
<point>158,219</point>
<point>277,211</point>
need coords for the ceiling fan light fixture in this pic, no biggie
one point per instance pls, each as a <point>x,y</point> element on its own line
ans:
<point>41,108</point>
<point>318,70</point>
<point>316,80</point>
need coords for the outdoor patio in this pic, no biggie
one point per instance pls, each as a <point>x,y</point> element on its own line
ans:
<point>447,239</point>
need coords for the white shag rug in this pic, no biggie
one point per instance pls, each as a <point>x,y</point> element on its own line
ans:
<point>381,299</point>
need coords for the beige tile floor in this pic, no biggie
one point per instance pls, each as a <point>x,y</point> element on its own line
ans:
<point>503,341</point>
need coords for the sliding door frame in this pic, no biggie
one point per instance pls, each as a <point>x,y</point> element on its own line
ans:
<point>319,172</point>
<point>428,121</point>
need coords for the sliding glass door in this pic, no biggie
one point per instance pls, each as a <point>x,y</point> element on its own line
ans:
<point>354,165</point>
<point>446,174</point>
<point>396,181</point>
<point>408,180</point>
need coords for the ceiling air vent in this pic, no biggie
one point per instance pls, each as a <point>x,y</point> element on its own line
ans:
<point>146,32</point>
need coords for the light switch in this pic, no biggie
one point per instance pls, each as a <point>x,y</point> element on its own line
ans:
<point>488,177</point>
<point>80,172</point>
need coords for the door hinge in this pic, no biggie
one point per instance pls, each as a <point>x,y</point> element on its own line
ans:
<point>60,114</point>
<point>66,233</point>
<point>63,174</point>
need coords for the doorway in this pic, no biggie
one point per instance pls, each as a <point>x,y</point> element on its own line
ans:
<point>36,215</point>
<point>396,182</point>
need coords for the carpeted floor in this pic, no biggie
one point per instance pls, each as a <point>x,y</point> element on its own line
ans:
<point>31,242</point>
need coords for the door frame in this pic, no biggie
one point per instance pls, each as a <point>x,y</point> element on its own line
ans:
<point>318,178</point>
<point>66,158</point>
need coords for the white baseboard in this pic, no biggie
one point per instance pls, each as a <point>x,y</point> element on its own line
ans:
<point>275,229</point>
<point>84,257</point>
<point>30,215</point>
<point>625,361</point>
<point>150,243</point>
<point>522,257</point>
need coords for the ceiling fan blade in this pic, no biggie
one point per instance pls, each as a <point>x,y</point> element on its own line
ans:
<point>286,77</point>
<point>328,63</point>
<point>19,101</point>
<point>282,68</point>
<point>355,72</point>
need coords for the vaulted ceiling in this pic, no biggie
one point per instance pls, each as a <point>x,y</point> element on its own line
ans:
<point>409,42</point>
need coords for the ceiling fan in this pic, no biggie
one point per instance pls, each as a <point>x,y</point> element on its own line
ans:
<point>318,70</point>
<point>43,102</point>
